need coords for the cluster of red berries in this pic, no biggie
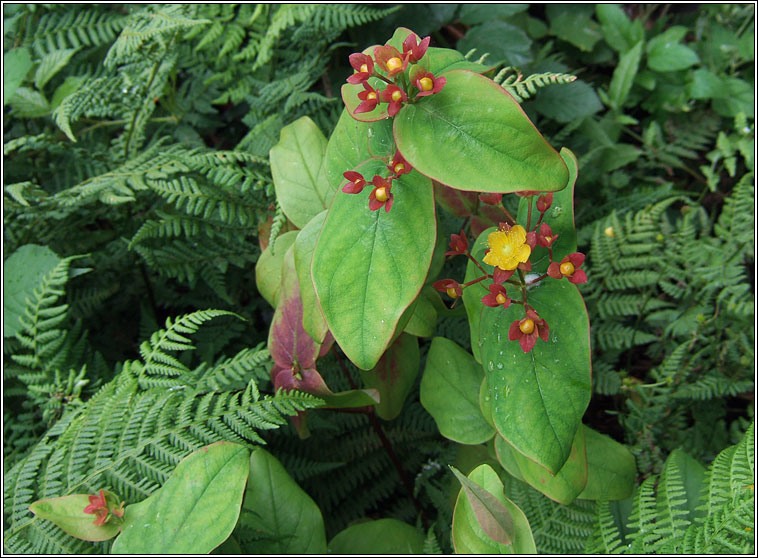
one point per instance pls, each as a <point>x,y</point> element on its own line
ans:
<point>512,239</point>
<point>381,195</point>
<point>393,63</point>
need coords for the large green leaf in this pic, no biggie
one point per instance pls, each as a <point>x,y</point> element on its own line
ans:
<point>22,272</point>
<point>381,536</point>
<point>313,321</point>
<point>369,266</point>
<point>566,484</point>
<point>354,142</point>
<point>450,393</point>
<point>268,268</point>
<point>504,42</point>
<point>297,167</point>
<point>450,138</point>
<point>468,535</point>
<point>424,317</point>
<point>623,76</point>
<point>560,217</point>
<point>394,375</point>
<point>620,33</point>
<point>472,295</point>
<point>611,468</point>
<point>195,510</point>
<point>539,397</point>
<point>275,506</point>
<point>665,54</point>
<point>16,64</point>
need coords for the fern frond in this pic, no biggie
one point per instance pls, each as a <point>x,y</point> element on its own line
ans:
<point>523,88</point>
<point>73,29</point>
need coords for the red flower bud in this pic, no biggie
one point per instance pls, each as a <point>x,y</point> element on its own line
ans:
<point>569,268</point>
<point>490,199</point>
<point>395,97</point>
<point>414,51</point>
<point>497,297</point>
<point>380,195</point>
<point>449,286</point>
<point>399,165</point>
<point>528,329</point>
<point>544,202</point>
<point>458,244</point>
<point>363,64</point>
<point>355,184</point>
<point>545,237</point>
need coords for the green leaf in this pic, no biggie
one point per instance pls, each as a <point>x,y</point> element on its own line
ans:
<point>471,14</point>
<point>560,217</point>
<point>51,64</point>
<point>69,86</point>
<point>611,467</point>
<point>16,64</point>
<point>354,142</point>
<point>268,268</point>
<point>449,138</point>
<point>369,266</point>
<point>394,375</point>
<point>619,32</point>
<point>29,103</point>
<point>297,167</point>
<point>437,60</point>
<point>705,85</point>
<point>472,295</point>
<point>22,272</point>
<point>539,397</point>
<point>506,44</point>
<point>195,510</point>
<point>574,23</point>
<point>275,505</point>
<point>349,92</point>
<point>567,102</point>
<point>567,483</point>
<point>381,536</point>
<point>450,393</point>
<point>351,399</point>
<point>506,456</point>
<point>738,96</point>
<point>424,317</point>
<point>623,76</point>
<point>67,512</point>
<point>468,535</point>
<point>313,321</point>
<point>665,54</point>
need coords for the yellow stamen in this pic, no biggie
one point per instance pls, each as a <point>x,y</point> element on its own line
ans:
<point>364,68</point>
<point>394,63</point>
<point>507,249</point>
<point>527,326</point>
<point>371,96</point>
<point>397,96</point>
<point>400,167</point>
<point>381,194</point>
<point>567,268</point>
<point>500,298</point>
<point>451,293</point>
<point>426,84</point>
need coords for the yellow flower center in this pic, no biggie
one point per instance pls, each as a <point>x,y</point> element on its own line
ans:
<point>527,326</point>
<point>394,63</point>
<point>400,167</point>
<point>381,194</point>
<point>500,298</point>
<point>364,68</point>
<point>426,84</point>
<point>567,268</point>
<point>397,95</point>
<point>507,249</point>
<point>548,239</point>
<point>371,96</point>
<point>451,293</point>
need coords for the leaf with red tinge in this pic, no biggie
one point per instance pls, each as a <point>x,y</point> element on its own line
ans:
<point>394,375</point>
<point>494,518</point>
<point>458,202</point>
<point>67,512</point>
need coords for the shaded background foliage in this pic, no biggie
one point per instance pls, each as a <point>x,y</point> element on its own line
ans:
<point>136,144</point>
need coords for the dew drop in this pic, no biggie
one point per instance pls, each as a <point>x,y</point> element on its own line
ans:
<point>500,366</point>
<point>491,366</point>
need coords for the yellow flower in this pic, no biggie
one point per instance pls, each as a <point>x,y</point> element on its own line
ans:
<point>507,249</point>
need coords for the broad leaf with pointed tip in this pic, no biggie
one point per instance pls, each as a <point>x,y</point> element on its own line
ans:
<point>394,375</point>
<point>381,536</point>
<point>268,269</point>
<point>611,468</point>
<point>473,135</point>
<point>313,321</point>
<point>369,266</point>
<point>297,167</point>
<point>67,512</point>
<point>195,510</point>
<point>539,397</point>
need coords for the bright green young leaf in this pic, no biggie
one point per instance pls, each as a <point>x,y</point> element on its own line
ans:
<point>424,317</point>
<point>450,393</point>
<point>623,76</point>
<point>67,512</point>
<point>297,167</point>
<point>505,43</point>
<point>268,269</point>
<point>468,535</point>
<point>620,33</point>
<point>539,397</point>
<point>380,536</point>
<point>16,64</point>
<point>566,484</point>
<point>665,54</point>
<point>22,272</point>
<point>611,468</point>
<point>573,23</point>
<point>350,97</point>
<point>195,510</point>
<point>313,321</point>
<point>276,506</point>
<point>560,218</point>
<point>738,96</point>
<point>29,103</point>
<point>449,138</point>
<point>369,266</point>
<point>394,375</point>
<point>354,142</point>
<point>567,102</point>
<point>705,85</point>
